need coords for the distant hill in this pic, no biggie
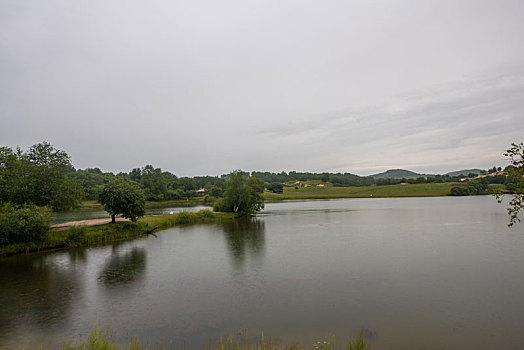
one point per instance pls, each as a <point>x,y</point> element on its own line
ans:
<point>464,172</point>
<point>397,174</point>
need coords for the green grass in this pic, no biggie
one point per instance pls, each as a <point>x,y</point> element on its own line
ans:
<point>100,339</point>
<point>407,190</point>
<point>90,206</point>
<point>86,236</point>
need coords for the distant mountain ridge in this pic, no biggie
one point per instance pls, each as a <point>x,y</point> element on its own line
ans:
<point>397,174</point>
<point>408,174</point>
<point>464,172</point>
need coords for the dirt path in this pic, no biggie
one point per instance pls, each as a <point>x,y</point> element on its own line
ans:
<point>92,222</point>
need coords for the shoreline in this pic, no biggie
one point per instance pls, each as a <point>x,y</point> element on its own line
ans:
<point>98,232</point>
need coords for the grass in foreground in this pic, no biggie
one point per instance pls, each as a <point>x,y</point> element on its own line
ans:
<point>85,236</point>
<point>407,190</point>
<point>100,339</point>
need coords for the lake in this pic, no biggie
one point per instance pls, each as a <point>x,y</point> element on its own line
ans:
<point>99,214</point>
<point>413,273</point>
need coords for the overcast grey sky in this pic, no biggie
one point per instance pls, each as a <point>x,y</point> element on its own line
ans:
<point>205,87</point>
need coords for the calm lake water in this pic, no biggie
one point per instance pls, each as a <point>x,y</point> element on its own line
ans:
<point>414,273</point>
<point>98,214</point>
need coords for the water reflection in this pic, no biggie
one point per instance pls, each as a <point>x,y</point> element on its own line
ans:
<point>77,256</point>
<point>245,237</point>
<point>36,291</point>
<point>122,268</point>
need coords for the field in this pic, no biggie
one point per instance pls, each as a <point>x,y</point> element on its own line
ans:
<point>406,190</point>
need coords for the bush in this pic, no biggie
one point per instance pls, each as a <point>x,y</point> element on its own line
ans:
<point>205,215</point>
<point>219,205</point>
<point>26,224</point>
<point>185,217</point>
<point>275,187</point>
<point>459,191</point>
<point>76,236</point>
<point>209,200</point>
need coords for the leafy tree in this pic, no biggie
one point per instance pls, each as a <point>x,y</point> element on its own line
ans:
<point>123,196</point>
<point>91,181</point>
<point>275,187</point>
<point>516,174</point>
<point>153,183</point>
<point>218,188</point>
<point>242,195</point>
<point>459,191</point>
<point>25,224</point>
<point>41,176</point>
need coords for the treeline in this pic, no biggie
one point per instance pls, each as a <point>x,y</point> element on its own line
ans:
<point>44,176</point>
<point>157,184</point>
<point>347,179</point>
<point>337,179</point>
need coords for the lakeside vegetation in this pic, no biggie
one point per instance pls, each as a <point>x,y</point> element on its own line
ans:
<point>86,236</point>
<point>41,179</point>
<point>101,339</point>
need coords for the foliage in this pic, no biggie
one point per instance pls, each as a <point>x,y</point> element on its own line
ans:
<point>459,191</point>
<point>123,196</point>
<point>97,340</point>
<point>91,180</point>
<point>471,187</point>
<point>328,344</point>
<point>40,176</point>
<point>102,340</point>
<point>76,236</point>
<point>359,343</point>
<point>26,224</point>
<point>516,175</point>
<point>275,187</point>
<point>242,196</point>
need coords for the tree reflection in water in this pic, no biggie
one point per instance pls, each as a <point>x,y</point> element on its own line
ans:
<point>124,267</point>
<point>243,237</point>
<point>36,291</point>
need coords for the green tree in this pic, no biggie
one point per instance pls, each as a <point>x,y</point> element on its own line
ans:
<point>123,196</point>
<point>242,195</point>
<point>516,175</point>
<point>275,187</point>
<point>25,224</point>
<point>153,183</point>
<point>42,176</point>
<point>459,191</point>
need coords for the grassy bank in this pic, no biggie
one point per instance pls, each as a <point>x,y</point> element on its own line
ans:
<point>86,236</point>
<point>405,190</point>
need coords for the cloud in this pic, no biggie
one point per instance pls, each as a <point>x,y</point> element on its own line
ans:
<point>206,87</point>
<point>462,123</point>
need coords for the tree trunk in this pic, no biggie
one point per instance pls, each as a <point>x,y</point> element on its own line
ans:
<point>113,220</point>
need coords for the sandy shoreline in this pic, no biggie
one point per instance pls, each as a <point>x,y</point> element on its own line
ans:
<point>91,222</point>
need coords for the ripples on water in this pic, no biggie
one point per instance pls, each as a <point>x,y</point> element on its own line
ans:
<point>413,273</point>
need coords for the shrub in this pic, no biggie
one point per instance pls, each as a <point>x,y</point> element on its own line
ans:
<point>76,236</point>
<point>185,217</point>
<point>209,200</point>
<point>275,187</point>
<point>205,215</point>
<point>359,343</point>
<point>459,191</point>
<point>26,224</point>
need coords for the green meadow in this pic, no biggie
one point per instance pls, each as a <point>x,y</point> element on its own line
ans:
<point>400,190</point>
